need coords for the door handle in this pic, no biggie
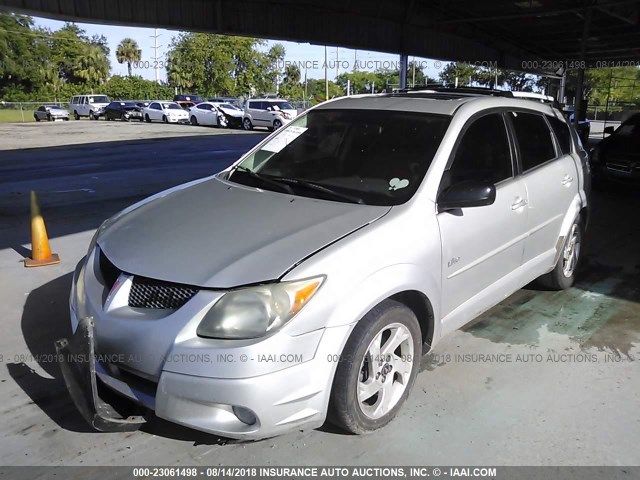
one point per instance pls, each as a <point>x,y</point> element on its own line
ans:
<point>518,204</point>
<point>566,181</point>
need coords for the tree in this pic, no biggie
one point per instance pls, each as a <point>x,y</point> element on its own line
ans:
<point>217,65</point>
<point>128,52</point>
<point>92,65</point>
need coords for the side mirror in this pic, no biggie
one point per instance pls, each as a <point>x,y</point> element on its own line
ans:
<point>467,194</point>
<point>609,130</point>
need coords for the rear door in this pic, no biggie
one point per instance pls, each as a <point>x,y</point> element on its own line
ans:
<point>551,180</point>
<point>481,245</point>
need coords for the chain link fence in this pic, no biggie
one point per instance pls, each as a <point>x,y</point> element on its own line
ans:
<point>19,112</point>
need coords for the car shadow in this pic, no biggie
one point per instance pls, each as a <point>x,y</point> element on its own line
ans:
<point>45,318</point>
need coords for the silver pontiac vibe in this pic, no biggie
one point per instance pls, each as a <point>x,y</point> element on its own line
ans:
<point>305,281</point>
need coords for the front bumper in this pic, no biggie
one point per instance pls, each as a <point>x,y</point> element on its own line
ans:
<point>177,119</point>
<point>78,366</point>
<point>235,389</point>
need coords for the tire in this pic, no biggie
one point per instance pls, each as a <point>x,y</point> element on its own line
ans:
<point>193,120</point>
<point>277,124</point>
<point>563,274</point>
<point>246,124</point>
<point>165,119</point>
<point>123,118</point>
<point>141,119</point>
<point>36,117</point>
<point>49,117</point>
<point>91,115</point>
<point>363,411</point>
<point>75,115</point>
<point>146,118</point>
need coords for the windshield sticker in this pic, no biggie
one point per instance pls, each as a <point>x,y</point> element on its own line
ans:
<point>283,139</point>
<point>397,184</point>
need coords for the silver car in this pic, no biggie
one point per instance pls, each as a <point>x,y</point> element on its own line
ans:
<point>50,113</point>
<point>305,281</point>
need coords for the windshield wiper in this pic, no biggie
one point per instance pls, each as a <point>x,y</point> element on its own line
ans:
<point>266,179</point>
<point>322,188</point>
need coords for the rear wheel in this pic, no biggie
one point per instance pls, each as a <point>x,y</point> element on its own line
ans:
<point>91,117</point>
<point>194,120</point>
<point>246,124</point>
<point>377,368</point>
<point>563,274</point>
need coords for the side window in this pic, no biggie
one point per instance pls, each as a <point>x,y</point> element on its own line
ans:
<point>534,139</point>
<point>204,106</point>
<point>563,135</point>
<point>253,105</point>
<point>483,153</point>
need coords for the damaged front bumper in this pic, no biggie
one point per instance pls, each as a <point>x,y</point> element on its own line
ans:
<point>78,366</point>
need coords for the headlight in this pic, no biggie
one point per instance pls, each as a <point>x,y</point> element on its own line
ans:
<point>255,311</point>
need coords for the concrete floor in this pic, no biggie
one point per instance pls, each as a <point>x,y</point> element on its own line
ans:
<point>566,390</point>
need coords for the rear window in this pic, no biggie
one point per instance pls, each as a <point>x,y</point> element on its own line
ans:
<point>563,135</point>
<point>534,139</point>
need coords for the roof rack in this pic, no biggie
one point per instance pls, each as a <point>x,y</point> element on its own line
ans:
<point>459,90</point>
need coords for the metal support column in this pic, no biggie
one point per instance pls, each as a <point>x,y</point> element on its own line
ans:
<point>583,56</point>
<point>404,66</point>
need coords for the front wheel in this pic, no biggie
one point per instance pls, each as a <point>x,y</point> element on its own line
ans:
<point>246,124</point>
<point>165,119</point>
<point>563,274</point>
<point>76,116</point>
<point>377,368</point>
<point>36,117</point>
<point>277,124</point>
<point>194,120</point>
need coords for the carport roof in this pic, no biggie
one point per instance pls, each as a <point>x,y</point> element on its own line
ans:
<point>506,32</point>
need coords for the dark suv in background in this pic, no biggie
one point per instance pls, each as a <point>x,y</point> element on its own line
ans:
<point>187,100</point>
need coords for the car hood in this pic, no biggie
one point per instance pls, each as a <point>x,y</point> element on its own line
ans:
<point>232,113</point>
<point>219,234</point>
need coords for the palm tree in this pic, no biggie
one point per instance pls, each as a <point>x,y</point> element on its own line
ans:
<point>93,65</point>
<point>128,52</point>
<point>178,73</point>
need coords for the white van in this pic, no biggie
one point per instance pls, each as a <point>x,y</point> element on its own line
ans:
<point>91,106</point>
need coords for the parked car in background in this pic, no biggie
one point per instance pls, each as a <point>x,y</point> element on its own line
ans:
<point>233,114</point>
<point>187,100</point>
<point>271,113</point>
<point>328,259</point>
<point>142,103</point>
<point>50,113</point>
<point>124,111</point>
<point>617,157</point>
<point>91,106</point>
<point>208,114</point>
<point>167,112</point>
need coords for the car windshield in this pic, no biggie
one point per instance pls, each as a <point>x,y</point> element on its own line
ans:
<point>379,157</point>
<point>99,99</point>
<point>171,106</point>
<point>53,107</point>
<point>282,105</point>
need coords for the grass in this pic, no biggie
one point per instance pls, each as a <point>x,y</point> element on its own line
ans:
<point>10,115</point>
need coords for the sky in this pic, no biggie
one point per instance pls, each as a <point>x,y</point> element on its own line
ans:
<point>307,57</point>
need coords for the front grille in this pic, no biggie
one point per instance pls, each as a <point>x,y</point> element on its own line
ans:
<point>149,293</point>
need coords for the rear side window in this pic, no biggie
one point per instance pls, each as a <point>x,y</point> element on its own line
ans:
<point>534,139</point>
<point>563,135</point>
<point>483,153</point>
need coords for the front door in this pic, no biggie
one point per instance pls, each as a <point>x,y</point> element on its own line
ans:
<point>481,245</point>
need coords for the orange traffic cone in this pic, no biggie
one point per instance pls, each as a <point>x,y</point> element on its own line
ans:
<point>40,250</point>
